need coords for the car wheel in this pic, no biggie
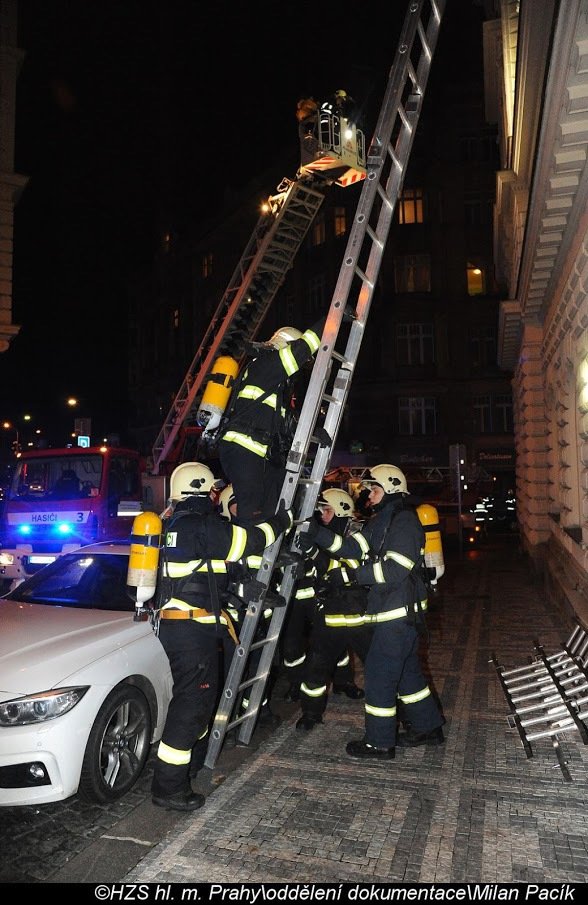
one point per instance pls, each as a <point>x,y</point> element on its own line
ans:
<point>118,746</point>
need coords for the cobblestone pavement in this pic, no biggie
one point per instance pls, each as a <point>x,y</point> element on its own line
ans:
<point>294,807</point>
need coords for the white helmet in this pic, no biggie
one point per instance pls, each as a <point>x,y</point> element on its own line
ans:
<point>389,477</point>
<point>189,479</point>
<point>283,336</point>
<point>339,501</point>
<point>225,501</point>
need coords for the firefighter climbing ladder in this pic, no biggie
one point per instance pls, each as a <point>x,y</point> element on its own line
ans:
<point>549,696</point>
<point>329,384</point>
<point>259,274</point>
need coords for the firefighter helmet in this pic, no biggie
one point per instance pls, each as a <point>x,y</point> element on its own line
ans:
<point>283,336</point>
<point>189,479</point>
<point>389,477</point>
<point>339,501</point>
<point>226,500</point>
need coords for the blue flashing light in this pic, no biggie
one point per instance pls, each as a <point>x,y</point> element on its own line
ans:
<point>24,529</point>
<point>64,528</point>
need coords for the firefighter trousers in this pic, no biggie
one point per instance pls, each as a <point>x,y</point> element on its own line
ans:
<point>328,647</point>
<point>193,653</point>
<point>257,483</point>
<point>393,672</point>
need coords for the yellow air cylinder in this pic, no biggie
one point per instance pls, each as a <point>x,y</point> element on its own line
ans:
<point>144,557</point>
<point>217,392</point>
<point>429,519</point>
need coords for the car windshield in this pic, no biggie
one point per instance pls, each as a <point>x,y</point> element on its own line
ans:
<point>85,581</point>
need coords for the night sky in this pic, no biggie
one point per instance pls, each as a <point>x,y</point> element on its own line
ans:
<point>134,117</point>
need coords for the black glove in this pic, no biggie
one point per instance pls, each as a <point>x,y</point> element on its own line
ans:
<point>289,558</point>
<point>305,539</point>
<point>284,517</point>
<point>322,436</point>
<point>349,314</point>
<point>351,576</point>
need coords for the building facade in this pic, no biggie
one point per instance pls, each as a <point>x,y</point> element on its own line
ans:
<point>537,81</point>
<point>427,376</point>
<point>11,183</point>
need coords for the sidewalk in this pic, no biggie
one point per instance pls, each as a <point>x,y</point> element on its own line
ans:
<point>473,810</point>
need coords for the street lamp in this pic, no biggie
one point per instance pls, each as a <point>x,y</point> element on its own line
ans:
<point>8,425</point>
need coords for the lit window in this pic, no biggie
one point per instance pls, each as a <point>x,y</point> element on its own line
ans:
<point>176,318</point>
<point>410,206</point>
<point>412,273</point>
<point>476,279</point>
<point>340,221</point>
<point>318,231</point>
<point>417,415</point>
<point>207,265</point>
<point>414,344</point>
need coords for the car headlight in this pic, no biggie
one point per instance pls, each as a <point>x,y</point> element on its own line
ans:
<point>37,708</point>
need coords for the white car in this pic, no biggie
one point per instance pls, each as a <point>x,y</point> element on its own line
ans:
<point>84,689</point>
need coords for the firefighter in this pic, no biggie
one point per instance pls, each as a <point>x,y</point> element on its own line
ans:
<point>197,547</point>
<point>393,541</point>
<point>338,624</point>
<point>258,434</point>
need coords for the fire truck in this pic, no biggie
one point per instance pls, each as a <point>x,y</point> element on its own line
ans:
<point>59,499</point>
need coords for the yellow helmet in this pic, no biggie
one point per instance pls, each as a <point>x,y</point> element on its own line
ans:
<point>225,501</point>
<point>283,336</point>
<point>389,477</point>
<point>189,479</point>
<point>339,501</point>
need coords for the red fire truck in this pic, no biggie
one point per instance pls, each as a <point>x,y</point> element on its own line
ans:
<point>59,499</point>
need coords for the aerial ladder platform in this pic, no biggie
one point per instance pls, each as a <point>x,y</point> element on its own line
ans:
<point>270,252</point>
<point>329,384</point>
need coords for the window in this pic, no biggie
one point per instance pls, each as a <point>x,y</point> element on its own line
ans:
<point>493,414</point>
<point>480,147</point>
<point>482,414</point>
<point>504,420</point>
<point>478,208</point>
<point>417,415</point>
<point>412,273</point>
<point>415,344</point>
<point>483,346</point>
<point>476,279</point>
<point>207,265</point>
<point>316,293</point>
<point>176,318</point>
<point>410,206</point>
<point>318,231</point>
<point>340,221</point>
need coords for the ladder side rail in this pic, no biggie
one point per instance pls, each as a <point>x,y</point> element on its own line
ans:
<point>250,264</point>
<point>315,393</point>
<point>391,109</point>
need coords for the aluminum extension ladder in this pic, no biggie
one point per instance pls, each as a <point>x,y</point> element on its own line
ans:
<point>549,696</point>
<point>329,384</point>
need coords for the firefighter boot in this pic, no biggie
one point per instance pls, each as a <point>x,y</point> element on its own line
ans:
<point>181,801</point>
<point>363,749</point>
<point>350,689</point>
<point>413,739</point>
<point>306,723</point>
